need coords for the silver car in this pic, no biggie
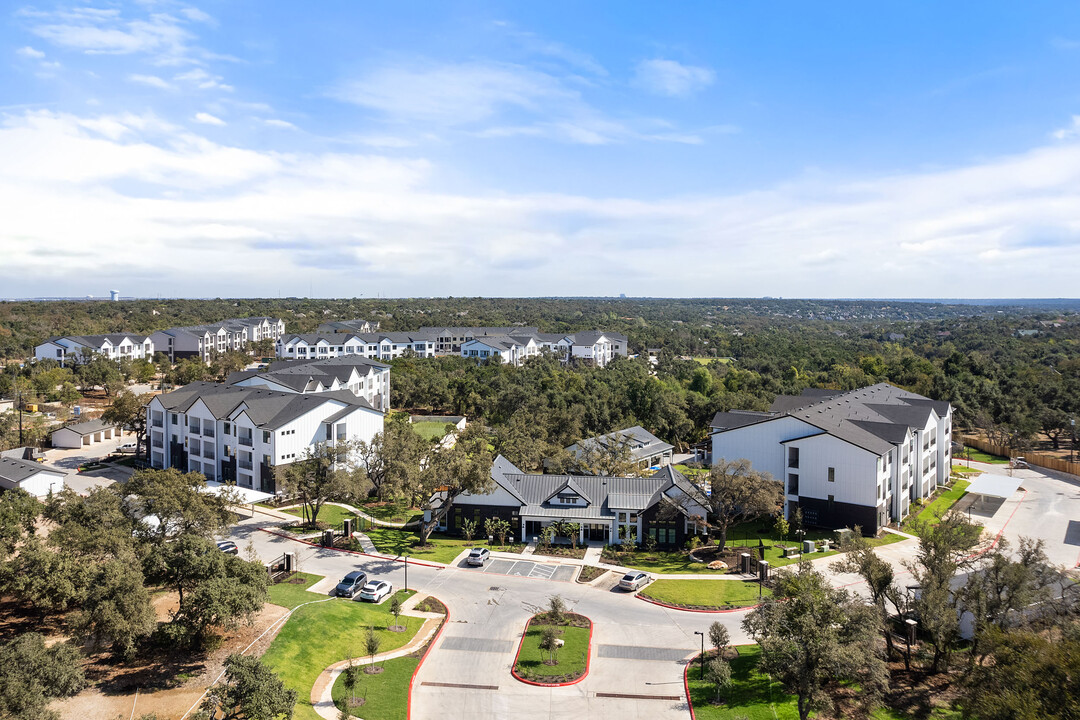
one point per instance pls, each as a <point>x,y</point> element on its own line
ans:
<point>633,581</point>
<point>478,556</point>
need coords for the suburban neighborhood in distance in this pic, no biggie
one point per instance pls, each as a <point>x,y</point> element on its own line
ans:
<point>404,361</point>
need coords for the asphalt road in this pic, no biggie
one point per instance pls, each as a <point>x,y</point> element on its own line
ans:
<point>638,649</point>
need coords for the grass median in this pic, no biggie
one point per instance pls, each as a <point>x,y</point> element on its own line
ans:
<point>705,594</point>
<point>570,660</point>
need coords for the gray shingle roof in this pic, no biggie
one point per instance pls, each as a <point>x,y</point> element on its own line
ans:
<point>739,418</point>
<point>268,409</point>
<point>13,472</point>
<point>89,427</point>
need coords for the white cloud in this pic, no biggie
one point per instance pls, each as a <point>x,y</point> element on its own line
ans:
<point>346,221</point>
<point>283,124</point>
<point>202,80</point>
<point>151,80</point>
<point>29,52</point>
<point>668,77</point>
<point>208,119</point>
<point>1069,131</point>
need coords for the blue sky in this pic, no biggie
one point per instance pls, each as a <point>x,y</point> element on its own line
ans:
<point>561,148</point>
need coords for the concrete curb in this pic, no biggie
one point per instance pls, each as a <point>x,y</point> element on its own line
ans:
<point>431,644</point>
<point>588,659</point>
<point>676,607</point>
<point>422,563</point>
<point>686,685</point>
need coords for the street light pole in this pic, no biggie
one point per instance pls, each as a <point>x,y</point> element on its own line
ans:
<point>702,656</point>
<point>406,573</point>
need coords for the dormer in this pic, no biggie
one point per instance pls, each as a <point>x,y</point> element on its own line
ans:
<point>569,494</point>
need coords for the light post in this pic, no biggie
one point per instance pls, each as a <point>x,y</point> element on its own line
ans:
<point>1072,450</point>
<point>702,656</point>
<point>406,573</point>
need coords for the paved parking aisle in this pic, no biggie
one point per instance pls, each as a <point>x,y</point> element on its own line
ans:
<point>529,569</point>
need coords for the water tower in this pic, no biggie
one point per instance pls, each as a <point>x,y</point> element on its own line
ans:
<point>114,295</point>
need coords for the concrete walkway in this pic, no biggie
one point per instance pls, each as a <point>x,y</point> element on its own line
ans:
<point>322,691</point>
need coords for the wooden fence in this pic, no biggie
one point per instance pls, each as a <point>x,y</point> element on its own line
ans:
<point>1031,458</point>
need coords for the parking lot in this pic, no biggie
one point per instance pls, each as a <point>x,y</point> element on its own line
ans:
<point>528,568</point>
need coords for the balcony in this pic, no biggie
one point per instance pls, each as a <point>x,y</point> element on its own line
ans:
<point>208,431</point>
<point>244,464</point>
<point>245,441</point>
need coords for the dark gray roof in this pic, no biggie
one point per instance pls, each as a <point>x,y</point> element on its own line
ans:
<point>601,493</point>
<point>13,472</point>
<point>643,443</point>
<point>374,338</point>
<point>739,418</point>
<point>268,409</point>
<point>99,340</point>
<point>304,375</point>
<point>89,427</point>
<point>809,396</point>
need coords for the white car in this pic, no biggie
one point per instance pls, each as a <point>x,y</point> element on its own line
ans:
<point>633,581</point>
<point>376,590</point>
<point>127,448</point>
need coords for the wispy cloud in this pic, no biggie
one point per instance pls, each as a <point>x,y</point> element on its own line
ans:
<point>208,119</point>
<point>203,80</point>
<point>672,78</point>
<point>151,80</point>
<point>29,52</point>
<point>283,124</point>
<point>1069,131</point>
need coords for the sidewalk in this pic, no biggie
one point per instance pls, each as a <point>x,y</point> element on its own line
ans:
<point>322,691</point>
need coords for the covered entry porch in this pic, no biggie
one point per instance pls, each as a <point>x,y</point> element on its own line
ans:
<point>590,530</point>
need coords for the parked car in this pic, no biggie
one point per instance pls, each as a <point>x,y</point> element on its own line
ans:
<point>351,584</point>
<point>228,547</point>
<point>127,448</point>
<point>633,581</point>
<point>376,590</point>
<point>478,556</point>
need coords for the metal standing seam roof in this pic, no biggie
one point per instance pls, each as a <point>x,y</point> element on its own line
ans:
<point>650,444</point>
<point>999,486</point>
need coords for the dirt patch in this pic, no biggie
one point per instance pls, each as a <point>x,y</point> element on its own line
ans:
<point>589,573</point>
<point>167,681</point>
<point>431,605</point>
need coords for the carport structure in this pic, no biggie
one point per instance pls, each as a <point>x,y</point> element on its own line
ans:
<point>998,488</point>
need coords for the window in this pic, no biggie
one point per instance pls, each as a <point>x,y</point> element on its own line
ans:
<point>793,457</point>
<point>227,428</point>
<point>341,431</point>
<point>172,418</point>
<point>793,484</point>
<point>266,436</point>
<point>832,474</point>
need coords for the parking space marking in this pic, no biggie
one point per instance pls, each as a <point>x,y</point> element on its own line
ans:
<point>543,571</point>
<point>474,644</point>
<point>633,652</point>
<point>500,566</point>
<point>565,573</point>
<point>522,568</point>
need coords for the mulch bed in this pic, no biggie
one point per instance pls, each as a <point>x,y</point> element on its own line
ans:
<point>373,669</point>
<point>561,551</point>
<point>569,620</point>
<point>589,573</point>
<point>431,605</point>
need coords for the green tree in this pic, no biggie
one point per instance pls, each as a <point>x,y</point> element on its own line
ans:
<point>944,549</point>
<point>549,642</point>
<point>738,494</point>
<point>350,680</point>
<point>323,474</point>
<point>468,529</point>
<point>18,512</point>
<point>32,675</point>
<point>372,643</point>
<point>249,690</point>
<point>393,459</point>
<point>462,467</point>
<point>128,410</point>
<point>395,608</point>
<point>718,672</point>
<point>497,528</point>
<point>116,610</point>
<point>878,576</point>
<point>178,503</point>
<point>814,637</point>
<point>556,610</point>
<point>610,457</point>
<point>719,638</point>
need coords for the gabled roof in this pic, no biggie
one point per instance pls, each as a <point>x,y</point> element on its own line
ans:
<point>89,427</point>
<point>570,486</point>
<point>642,443</point>
<point>13,472</point>
<point>268,409</point>
<point>739,418</point>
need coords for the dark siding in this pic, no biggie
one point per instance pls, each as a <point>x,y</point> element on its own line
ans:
<point>465,511</point>
<point>652,519</point>
<point>822,514</point>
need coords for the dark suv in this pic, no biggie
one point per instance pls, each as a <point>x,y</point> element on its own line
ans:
<point>351,584</point>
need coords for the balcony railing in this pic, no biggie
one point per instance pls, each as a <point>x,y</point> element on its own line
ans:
<point>208,431</point>
<point>245,441</point>
<point>244,464</point>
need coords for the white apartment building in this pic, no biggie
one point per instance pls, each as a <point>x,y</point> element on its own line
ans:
<point>361,376</point>
<point>203,341</point>
<point>448,340</point>
<point>377,346</point>
<point>512,350</point>
<point>242,434</point>
<point>77,349</point>
<point>349,326</point>
<point>845,458</point>
<point>593,346</point>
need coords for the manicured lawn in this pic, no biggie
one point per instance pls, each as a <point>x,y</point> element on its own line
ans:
<point>689,471</point>
<point>432,431</point>
<point>392,512</point>
<point>746,535</point>
<point>317,635</point>
<point>386,695</point>
<point>571,658</point>
<point>332,515</point>
<point>442,548</point>
<point>705,593</point>
<point>751,695</point>
<point>707,360</point>
<point>980,456</point>
<point>933,512</point>
<point>290,594</point>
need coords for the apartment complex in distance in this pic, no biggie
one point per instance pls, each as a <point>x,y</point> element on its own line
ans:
<point>361,376</point>
<point>203,341</point>
<point>377,346</point>
<point>592,346</point>
<point>846,458</point>
<point>242,434</point>
<point>350,326</point>
<point>75,349</point>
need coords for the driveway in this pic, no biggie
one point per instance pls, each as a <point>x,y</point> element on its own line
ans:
<point>69,460</point>
<point>638,650</point>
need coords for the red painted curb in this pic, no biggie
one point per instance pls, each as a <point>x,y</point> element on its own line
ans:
<point>355,552</point>
<point>588,659</point>
<point>438,633</point>
<point>686,685</point>
<point>676,607</point>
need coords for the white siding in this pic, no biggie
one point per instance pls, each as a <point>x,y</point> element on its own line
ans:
<point>760,443</point>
